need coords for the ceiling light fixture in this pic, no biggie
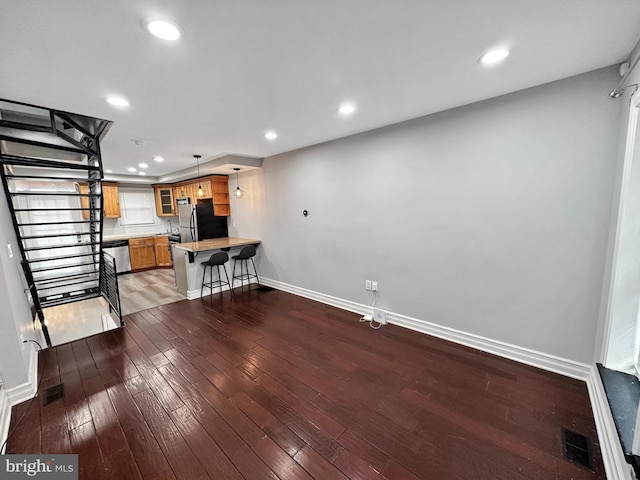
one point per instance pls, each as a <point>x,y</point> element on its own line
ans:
<point>141,173</point>
<point>346,109</point>
<point>131,169</point>
<point>200,191</point>
<point>118,101</point>
<point>158,159</point>
<point>161,28</point>
<point>494,56</point>
<point>270,136</point>
<point>143,165</point>
<point>238,193</point>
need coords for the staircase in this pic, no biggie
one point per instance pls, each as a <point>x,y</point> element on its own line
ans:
<point>51,172</point>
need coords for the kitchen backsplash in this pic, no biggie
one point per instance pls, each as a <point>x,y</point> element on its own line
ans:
<point>112,228</point>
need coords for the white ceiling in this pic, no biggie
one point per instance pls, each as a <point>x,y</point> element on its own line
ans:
<point>248,66</point>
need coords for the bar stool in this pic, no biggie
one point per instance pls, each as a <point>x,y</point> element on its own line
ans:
<point>217,259</point>
<point>247,253</point>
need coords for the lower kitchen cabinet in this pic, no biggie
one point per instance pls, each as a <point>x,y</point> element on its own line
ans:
<point>163,257</point>
<point>142,253</point>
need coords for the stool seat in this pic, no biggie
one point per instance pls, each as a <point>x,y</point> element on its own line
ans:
<point>246,253</point>
<point>215,260</point>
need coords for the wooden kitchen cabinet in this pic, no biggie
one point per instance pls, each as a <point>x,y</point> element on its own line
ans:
<point>165,201</point>
<point>84,201</point>
<point>206,188</point>
<point>161,246</point>
<point>190,190</point>
<point>111,200</point>
<point>142,253</point>
<point>220,195</point>
<point>215,188</point>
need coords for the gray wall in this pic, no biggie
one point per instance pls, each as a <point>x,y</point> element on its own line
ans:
<point>15,318</point>
<point>492,218</point>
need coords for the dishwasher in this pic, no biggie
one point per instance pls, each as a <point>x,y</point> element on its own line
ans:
<point>119,249</point>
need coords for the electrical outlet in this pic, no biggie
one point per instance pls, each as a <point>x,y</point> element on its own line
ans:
<point>374,286</point>
<point>367,285</point>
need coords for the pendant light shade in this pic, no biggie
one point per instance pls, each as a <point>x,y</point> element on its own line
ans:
<point>238,193</point>
<point>200,192</point>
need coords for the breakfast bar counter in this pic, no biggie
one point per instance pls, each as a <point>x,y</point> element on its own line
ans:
<point>216,244</point>
<point>188,258</point>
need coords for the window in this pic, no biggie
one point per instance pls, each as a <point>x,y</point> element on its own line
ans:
<point>138,207</point>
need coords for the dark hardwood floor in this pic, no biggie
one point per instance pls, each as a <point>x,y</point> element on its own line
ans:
<point>268,386</point>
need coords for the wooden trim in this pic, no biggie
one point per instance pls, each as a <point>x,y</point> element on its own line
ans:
<point>213,178</point>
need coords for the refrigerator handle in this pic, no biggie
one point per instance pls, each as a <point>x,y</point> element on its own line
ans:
<point>192,227</point>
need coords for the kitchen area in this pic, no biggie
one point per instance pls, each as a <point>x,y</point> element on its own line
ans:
<point>160,234</point>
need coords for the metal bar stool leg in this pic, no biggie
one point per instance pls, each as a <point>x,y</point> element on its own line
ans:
<point>227,277</point>
<point>255,271</point>
<point>204,272</point>
<point>233,274</point>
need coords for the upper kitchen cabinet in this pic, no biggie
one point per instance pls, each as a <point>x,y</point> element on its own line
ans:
<point>111,200</point>
<point>215,190</point>
<point>220,192</point>
<point>165,201</point>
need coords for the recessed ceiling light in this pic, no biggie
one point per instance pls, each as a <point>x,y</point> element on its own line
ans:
<point>494,56</point>
<point>161,28</point>
<point>270,135</point>
<point>141,173</point>
<point>118,101</point>
<point>158,159</point>
<point>346,109</point>
<point>131,169</point>
<point>143,165</point>
<point>108,171</point>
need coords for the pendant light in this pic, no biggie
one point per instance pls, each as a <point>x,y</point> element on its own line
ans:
<point>200,191</point>
<point>238,193</point>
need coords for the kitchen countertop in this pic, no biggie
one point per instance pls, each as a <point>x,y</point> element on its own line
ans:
<point>112,238</point>
<point>216,244</point>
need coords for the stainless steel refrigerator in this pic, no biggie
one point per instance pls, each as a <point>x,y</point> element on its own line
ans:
<point>197,222</point>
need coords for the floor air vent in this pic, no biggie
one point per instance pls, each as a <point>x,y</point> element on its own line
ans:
<point>52,394</point>
<point>576,448</point>
<point>264,289</point>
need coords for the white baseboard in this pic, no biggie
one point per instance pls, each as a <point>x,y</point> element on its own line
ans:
<point>5,416</point>
<point>612,456</point>
<point>534,358</point>
<point>27,390</point>
<point>193,294</point>
<point>18,394</point>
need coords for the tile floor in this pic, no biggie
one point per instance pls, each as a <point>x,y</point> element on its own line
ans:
<point>143,290</point>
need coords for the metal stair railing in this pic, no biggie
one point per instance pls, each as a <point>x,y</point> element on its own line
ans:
<point>57,152</point>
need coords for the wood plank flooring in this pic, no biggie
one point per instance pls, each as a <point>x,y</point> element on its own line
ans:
<point>275,386</point>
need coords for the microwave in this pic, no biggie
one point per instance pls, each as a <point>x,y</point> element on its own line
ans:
<point>183,201</point>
